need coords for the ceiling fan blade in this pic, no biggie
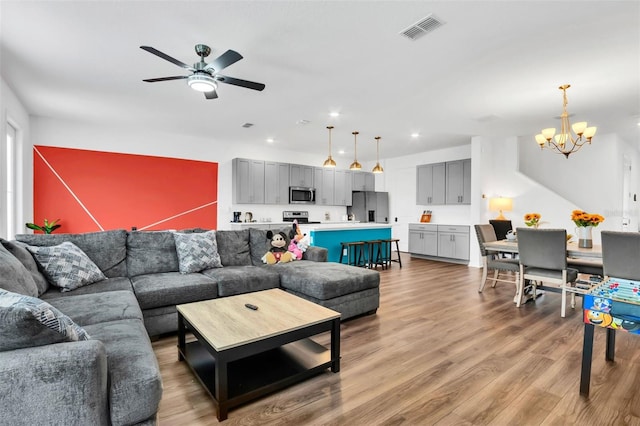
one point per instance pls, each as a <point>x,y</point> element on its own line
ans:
<point>166,57</point>
<point>221,62</point>
<point>211,95</point>
<point>177,77</point>
<point>238,82</point>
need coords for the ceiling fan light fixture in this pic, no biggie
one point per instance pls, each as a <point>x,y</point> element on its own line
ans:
<point>202,83</point>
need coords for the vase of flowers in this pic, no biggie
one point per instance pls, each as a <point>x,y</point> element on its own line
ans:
<point>585,223</point>
<point>532,220</point>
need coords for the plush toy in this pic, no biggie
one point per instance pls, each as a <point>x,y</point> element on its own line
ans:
<point>299,242</point>
<point>278,252</point>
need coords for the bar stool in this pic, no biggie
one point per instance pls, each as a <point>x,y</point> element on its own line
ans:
<point>388,251</point>
<point>355,252</point>
<point>375,254</point>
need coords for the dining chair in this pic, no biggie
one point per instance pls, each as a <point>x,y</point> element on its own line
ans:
<point>543,259</point>
<point>491,259</point>
<point>621,254</point>
<point>501,227</point>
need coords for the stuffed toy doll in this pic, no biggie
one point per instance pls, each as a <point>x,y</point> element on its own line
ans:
<point>278,252</point>
<point>299,242</point>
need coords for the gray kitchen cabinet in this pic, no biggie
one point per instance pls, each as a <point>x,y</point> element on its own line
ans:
<point>423,239</point>
<point>430,184</point>
<point>343,187</point>
<point>300,175</point>
<point>453,242</point>
<point>325,186</point>
<point>458,182</point>
<point>439,242</point>
<point>248,181</point>
<point>363,181</point>
<point>276,183</point>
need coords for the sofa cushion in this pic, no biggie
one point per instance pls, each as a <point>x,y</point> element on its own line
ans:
<point>172,288</point>
<point>243,279</point>
<point>26,321</point>
<point>14,276</point>
<point>135,385</point>
<point>260,244</point>
<point>324,280</point>
<point>112,284</point>
<point>20,252</point>
<point>233,247</point>
<point>197,251</point>
<point>107,249</point>
<point>114,305</point>
<point>151,252</point>
<point>66,266</point>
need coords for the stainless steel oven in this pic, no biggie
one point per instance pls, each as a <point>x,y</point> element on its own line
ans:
<point>302,195</point>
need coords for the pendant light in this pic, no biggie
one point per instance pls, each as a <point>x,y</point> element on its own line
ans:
<point>378,168</point>
<point>355,165</point>
<point>329,161</point>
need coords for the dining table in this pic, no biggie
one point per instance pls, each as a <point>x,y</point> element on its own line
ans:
<point>573,250</point>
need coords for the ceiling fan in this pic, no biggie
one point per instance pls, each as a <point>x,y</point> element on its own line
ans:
<point>205,77</point>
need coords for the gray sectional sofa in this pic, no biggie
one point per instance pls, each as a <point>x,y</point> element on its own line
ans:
<point>113,378</point>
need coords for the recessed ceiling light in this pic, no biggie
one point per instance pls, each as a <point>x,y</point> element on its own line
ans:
<point>334,114</point>
<point>270,140</point>
<point>415,135</point>
<point>303,122</point>
<point>341,152</point>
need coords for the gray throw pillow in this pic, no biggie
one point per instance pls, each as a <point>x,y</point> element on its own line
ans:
<point>66,266</point>
<point>233,247</point>
<point>197,251</point>
<point>14,276</point>
<point>27,321</point>
<point>20,252</point>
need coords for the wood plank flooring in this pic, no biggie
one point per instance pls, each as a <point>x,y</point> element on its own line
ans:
<point>439,353</point>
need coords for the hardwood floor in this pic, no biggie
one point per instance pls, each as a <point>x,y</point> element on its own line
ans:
<point>439,353</point>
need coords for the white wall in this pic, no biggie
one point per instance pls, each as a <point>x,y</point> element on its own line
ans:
<point>12,111</point>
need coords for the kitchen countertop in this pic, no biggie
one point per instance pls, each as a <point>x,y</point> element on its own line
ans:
<point>338,226</point>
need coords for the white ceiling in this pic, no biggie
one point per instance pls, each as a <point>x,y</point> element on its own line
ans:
<point>493,69</point>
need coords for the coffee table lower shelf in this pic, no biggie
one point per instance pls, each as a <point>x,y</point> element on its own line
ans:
<point>260,374</point>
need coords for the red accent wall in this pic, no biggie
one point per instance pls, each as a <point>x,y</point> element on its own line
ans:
<point>94,190</point>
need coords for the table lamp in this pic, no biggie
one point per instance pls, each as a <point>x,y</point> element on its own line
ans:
<point>500,204</point>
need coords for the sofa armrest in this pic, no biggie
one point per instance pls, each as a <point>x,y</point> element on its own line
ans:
<point>316,254</point>
<point>63,383</point>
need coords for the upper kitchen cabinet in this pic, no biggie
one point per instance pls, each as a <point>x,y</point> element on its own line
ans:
<point>325,186</point>
<point>459,182</point>
<point>276,183</point>
<point>430,185</point>
<point>343,187</point>
<point>248,181</point>
<point>301,176</point>
<point>363,181</point>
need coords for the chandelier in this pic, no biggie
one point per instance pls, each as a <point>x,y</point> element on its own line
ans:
<point>329,162</point>
<point>355,165</point>
<point>566,142</point>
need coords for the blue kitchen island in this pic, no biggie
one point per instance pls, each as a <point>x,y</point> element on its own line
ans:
<point>330,235</point>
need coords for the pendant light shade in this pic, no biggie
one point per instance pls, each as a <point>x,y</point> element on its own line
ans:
<point>355,165</point>
<point>329,162</point>
<point>378,168</point>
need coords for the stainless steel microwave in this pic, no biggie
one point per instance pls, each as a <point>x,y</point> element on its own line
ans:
<point>302,195</point>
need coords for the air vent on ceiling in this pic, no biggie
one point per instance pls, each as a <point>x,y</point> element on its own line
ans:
<point>422,27</point>
<point>247,125</point>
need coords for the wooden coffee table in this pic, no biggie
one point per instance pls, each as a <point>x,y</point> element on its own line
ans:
<point>241,354</point>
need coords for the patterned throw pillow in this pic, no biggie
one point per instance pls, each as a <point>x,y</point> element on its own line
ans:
<point>26,321</point>
<point>197,251</point>
<point>66,266</point>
